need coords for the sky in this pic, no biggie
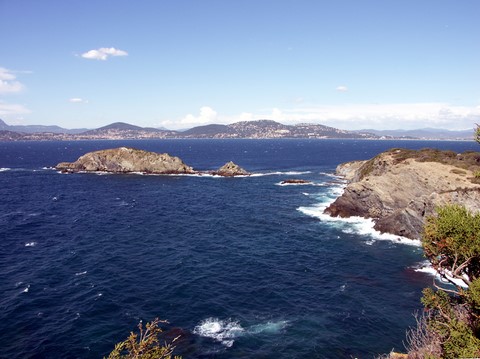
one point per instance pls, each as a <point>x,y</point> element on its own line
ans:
<point>176,64</point>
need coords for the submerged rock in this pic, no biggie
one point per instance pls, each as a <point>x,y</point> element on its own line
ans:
<point>398,189</point>
<point>231,169</point>
<point>126,160</point>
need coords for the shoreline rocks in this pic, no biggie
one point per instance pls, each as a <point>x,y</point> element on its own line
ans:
<point>398,189</point>
<point>131,160</point>
<point>295,181</point>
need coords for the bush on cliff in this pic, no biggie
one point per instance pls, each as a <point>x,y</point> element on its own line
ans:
<point>145,345</point>
<point>451,326</point>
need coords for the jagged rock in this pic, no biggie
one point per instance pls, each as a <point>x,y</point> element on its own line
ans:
<point>231,169</point>
<point>295,181</point>
<point>398,189</point>
<point>125,160</point>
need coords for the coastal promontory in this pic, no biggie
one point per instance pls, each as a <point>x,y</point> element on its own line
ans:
<point>131,160</point>
<point>399,188</point>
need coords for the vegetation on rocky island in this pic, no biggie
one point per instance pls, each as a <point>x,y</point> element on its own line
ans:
<point>450,325</point>
<point>468,160</point>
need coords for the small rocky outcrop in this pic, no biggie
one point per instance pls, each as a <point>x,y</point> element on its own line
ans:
<point>295,181</point>
<point>231,169</point>
<point>399,188</point>
<point>126,160</point>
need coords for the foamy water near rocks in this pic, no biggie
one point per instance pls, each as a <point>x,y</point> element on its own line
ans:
<point>398,189</point>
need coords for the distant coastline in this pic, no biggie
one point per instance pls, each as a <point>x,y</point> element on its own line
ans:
<point>261,129</point>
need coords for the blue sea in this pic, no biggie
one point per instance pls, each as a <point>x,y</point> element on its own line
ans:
<point>240,267</point>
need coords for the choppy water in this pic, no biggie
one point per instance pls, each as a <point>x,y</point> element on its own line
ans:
<point>241,267</point>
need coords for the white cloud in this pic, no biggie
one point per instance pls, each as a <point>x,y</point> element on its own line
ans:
<point>8,82</point>
<point>342,88</point>
<point>10,109</point>
<point>207,115</point>
<point>350,117</point>
<point>103,53</point>
<point>78,100</point>
<point>384,116</point>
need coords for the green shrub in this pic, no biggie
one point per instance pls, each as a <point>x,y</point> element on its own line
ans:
<point>144,345</point>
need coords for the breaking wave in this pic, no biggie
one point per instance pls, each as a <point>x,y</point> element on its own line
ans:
<point>226,331</point>
<point>356,225</point>
<point>426,267</point>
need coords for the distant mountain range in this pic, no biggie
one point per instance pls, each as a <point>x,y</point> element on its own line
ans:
<point>244,129</point>
<point>38,128</point>
<point>424,133</point>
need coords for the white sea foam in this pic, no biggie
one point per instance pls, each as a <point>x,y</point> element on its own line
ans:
<point>268,328</point>
<point>4,169</point>
<point>226,331</point>
<point>30,244</point>
<point>426,267</point>
<point>81,273</point>
<point>332,175</point>
<point>280,173</point>
<point>357,225</point>
<point>223,331</point>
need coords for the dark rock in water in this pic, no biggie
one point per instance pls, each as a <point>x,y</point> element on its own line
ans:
<point>295,181</point>
<point>398,189</point>
<point>127,160</point>
<point>231,169</point>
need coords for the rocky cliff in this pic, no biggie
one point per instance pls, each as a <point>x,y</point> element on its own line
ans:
<point>399,188</point>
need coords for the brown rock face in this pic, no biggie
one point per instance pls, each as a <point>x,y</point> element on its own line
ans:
<point>399,191</point>
<point>126,160</point>
<point>231,169</point>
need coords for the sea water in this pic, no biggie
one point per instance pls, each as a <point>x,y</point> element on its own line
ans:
<point>241,267</point>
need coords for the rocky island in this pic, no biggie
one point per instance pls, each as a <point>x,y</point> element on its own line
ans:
<point>399,188</point>
<point>131,160</point>
<point>231,169</point>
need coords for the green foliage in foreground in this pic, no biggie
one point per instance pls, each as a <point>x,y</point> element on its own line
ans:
<point>451,242</point>
<point>144,345</point>
<point>451,326</point>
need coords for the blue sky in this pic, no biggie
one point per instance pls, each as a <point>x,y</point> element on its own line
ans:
<point>350,64</point>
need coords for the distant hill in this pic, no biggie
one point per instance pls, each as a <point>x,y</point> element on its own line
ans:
<point>244,129</point>
<point>38,128</point>
<point>207,130</point>
<point>119,130</point>
<point>425,133</point>
<point>270,129</point>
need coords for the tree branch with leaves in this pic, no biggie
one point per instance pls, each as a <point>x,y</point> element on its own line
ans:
<point>145,345</point>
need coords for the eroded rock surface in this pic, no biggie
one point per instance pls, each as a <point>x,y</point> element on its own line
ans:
<point>231,169</point>
<point>125,160</point>
<point>400,188</point>
<point>131,160</point>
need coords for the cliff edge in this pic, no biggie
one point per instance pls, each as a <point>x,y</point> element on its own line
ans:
<point>399,188</point>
